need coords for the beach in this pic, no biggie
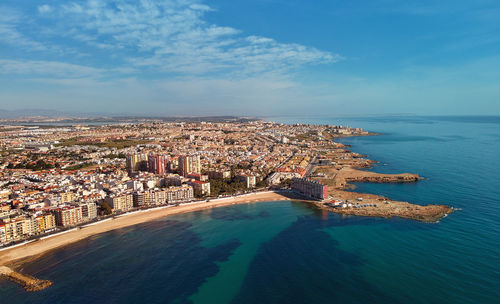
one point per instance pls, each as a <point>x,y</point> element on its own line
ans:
<point>43,245</point>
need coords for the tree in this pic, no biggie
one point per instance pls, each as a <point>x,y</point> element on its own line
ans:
<point>106,208</point>
<point>261,184</point>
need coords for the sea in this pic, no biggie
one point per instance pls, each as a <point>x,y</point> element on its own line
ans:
<point>289,252</point>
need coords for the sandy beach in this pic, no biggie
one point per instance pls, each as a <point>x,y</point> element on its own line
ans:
<point>41,246</point>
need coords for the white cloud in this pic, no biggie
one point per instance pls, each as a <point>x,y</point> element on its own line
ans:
<point>189,59</point>
<point>200,7</point>
<point>172,36</point>
<point>44,9</point>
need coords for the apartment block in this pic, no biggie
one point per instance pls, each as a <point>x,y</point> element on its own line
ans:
<point>68,216</point>
<point>310,188</point>
<point>121,202</point>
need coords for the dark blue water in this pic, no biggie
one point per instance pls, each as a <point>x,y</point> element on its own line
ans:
<point>286,252</point>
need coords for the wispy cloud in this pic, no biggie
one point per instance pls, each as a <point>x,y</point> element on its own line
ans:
<point>169,36</point>
<point>163,52</point>
<point>52,69</point>
<point>10,22</point>
<point>172,36</point>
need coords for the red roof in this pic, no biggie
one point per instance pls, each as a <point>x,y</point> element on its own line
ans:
<point>198,182</point>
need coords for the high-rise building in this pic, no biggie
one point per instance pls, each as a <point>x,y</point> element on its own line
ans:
<point>189,164</point>
<point>157,164</point>
<point>136,162</point>
<point>310,188</point>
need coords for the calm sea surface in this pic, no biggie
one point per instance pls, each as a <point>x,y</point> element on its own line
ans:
<point>287,252</point>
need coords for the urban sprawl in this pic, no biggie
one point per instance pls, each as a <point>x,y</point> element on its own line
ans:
<point>56,178</point>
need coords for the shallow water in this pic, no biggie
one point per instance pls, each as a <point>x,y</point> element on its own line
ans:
<point>288,252</point>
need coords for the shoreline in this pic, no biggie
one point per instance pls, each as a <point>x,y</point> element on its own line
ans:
<point>339,179</point>
<point>21,254</point>
<point>13,258</point>
<point>373,205</point>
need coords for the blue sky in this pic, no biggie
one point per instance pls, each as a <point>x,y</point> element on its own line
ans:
<point>259,57</point>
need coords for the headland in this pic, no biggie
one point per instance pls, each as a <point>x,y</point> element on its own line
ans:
<point>339,176</point>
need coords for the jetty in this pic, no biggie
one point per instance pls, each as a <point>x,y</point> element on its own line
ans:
<point>28,282</point>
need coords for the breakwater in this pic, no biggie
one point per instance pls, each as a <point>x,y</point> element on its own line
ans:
<point>28,282</point>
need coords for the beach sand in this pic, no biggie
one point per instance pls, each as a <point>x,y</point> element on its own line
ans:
<point>41,246</point>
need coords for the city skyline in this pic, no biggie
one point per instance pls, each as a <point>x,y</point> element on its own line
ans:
<point>168,58</point>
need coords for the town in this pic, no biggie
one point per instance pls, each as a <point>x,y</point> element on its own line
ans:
<point>54,178</point>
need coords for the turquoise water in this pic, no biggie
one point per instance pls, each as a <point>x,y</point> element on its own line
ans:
<point>287,252</point>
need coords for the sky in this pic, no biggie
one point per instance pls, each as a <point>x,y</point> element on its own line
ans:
<point>251,58</point>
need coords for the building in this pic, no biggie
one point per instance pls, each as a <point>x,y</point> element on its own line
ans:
<point>310,188</point>
<point>4,195</point>
<point>67,197</point>
<point>135,185</point>
<point>89,211</point>
<point>182,193</point>
<point>219,174</point>
<point>21,227</point>
<point>136,162</point>
<point>43,223</point>
<point>16,229</point>
<point>200,188</point>
<point>172,180</point>
<point>154,197</point>
<point>3,236</point>
<point>158,197</point>
<point>68,216</point>
<point>4,210</point>
<point>189,164</point>
<point>198,177</point>
<point>121,202</point>
<point>142,199</point>
<point>249,180</point>
<point>278,177</point>
<point>157,164</point>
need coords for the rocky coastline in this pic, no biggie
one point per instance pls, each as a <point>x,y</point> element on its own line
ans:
<point>346,169</point>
